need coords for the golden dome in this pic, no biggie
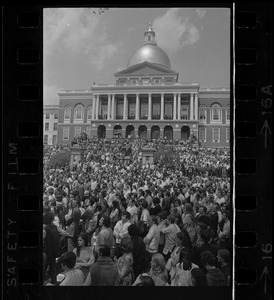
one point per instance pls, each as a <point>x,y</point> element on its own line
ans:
<point>149,52</point>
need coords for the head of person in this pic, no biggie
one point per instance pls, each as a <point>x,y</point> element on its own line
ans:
<point>202,210</point>
<point>83,239</point>
<point>152,220</point>
<point>104,221</point>
<point>198,277</point>
<point>205,236</point>
<point>223,256</point>
<point>126,245</point>
<point>171,219</point>
<point>133,230</point>
<point>104,250</point>
<point>158,263</point>
<point>144,204</point>
<point>115,204</point>
<point>188,208</point>
<point>183,239</point>
<point>48,218</point>
<point>126,216</point>
<point>208,259</point>
<point>161,217</point>
<point>156,201</point>
<point>185,258</point>
<point>145,280</point>
<point>68,260</point>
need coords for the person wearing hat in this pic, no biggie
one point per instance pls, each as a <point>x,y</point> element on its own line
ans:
<point>72,276</point>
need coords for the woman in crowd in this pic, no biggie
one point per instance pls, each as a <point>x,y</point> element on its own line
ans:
<point>114,215</point>
<point>158,270</point>
<point>188,221</point>
<point>84,254</point>
<point>125,263</point>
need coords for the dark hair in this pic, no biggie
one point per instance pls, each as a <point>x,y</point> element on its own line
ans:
<point>133,230</point>
<point>127,214</point>
<point>225,255</point>
<point>185,258</point>
<point>207,258</point>
<point>68,259</point>
<point>126,244</point>
<point>115,204</point>
<point>145,280</point>
<point>199,276</point>
<point>156,200</point>
<point>106,221</point>
<point>48,218</point>
<point>144,204</point>
<point>84,237</point>
<point>104,250</point>
<point>171,219</point>
<point>183,236</point>
<point>205,236</point>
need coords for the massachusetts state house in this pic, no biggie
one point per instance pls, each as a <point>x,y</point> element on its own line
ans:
<point>146,101</point>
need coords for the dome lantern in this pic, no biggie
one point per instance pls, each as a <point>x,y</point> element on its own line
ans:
<point>149,36</point>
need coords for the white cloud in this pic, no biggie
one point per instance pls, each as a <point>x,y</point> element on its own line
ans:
<point>50,96</point>
<point>200,12</point>
<point>77,31</point>
<point>174,31</point>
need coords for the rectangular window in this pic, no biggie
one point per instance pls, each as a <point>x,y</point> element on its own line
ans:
<point>88,131</point>
<point>54,139</point>
<point>77,131</point>
<point>46,138</point>
<point>47,116</point>
<point>228,115</point>
<point>144,107</point>
<point>46,126</point>
<point>227,135</point>
<point>120,108</point>
<point>215,135</point>
<point>55,116</point>
<point>184,112</point>
<point>55,126</point>
<point>89,113</point>
<point>168,108</point>
<point>65,133</point>
<point>202,135</point>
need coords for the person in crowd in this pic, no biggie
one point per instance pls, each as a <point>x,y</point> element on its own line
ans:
<point>158,270</point>
<point>145,212</point>
<point>121,230</point>
<point>105,236</point>
<point>198,277</point>
<point>170,231</point>
<point>125,263</point>
<point>51,244</point>
<point>114,215</point>
<point>72,276</point>
<point>161,224</point>
<point>104,272</point>
<point>156,207</point>
<point>223,258</point>
<point>133,210</point>
<point>183,269</point>
<point>84,254</point>
<point>224,231</point>
<point>214,276</point>
<point>152,239</point>
<point>189,222</point>
<point>140,261</point>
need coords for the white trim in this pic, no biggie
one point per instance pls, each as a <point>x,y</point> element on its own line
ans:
<point>202,140</point>
<point>65,128</point>
<point>227,135</point>
<point>219,113</point>
<point>75,130</point>
<point>215,140</point>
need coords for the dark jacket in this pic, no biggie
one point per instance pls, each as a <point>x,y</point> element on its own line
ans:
<point>197,251</point>
<point>104,272</point>
<point>215,278</point>
<point>140,261</point>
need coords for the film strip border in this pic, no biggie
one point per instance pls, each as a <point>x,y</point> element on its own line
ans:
<point>22,140</point>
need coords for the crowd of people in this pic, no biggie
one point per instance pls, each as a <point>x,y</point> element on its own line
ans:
<point>111,219</point>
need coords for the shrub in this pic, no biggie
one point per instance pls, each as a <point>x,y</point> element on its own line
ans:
<point>60,159</point>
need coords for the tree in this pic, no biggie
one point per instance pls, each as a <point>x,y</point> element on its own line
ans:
<point>167,156</point>
<point>60,159</point>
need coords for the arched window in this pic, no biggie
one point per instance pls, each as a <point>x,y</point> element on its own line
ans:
<point>228,114</point>
<point>67,113</point>
<point>202,113</point>
<point>216,113</point>
<point>79,112</point>
<point>89,112</point>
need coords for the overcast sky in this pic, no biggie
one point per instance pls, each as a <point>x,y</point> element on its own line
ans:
<point>82,46</point>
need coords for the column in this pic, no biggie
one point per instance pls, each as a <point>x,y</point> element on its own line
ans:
<point>108,107</point>
<point>196,106</point>
<point>191,106</point>
<point>125,107</point>
<point>113,105</point>
<point>97,107</point>
<point>179,106</point>
<point>137,107</point>
<point>162,106</point>
<point>93,107</point>
<point>149,107</point>
<point>174,106</point>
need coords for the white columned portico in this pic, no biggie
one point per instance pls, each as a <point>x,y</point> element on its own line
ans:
<point>109,106</point>
<point>191,106</point>
<point>97,107</point>
<point>125,107</point>
<point>149,107</point>
<point>174,106</point>
<point>179,106</point>
<point>112,109</point>
<point>162,107</point>
<point>196,106</point>
<point>137,107</point>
